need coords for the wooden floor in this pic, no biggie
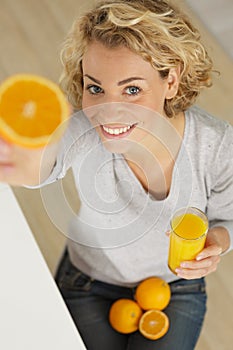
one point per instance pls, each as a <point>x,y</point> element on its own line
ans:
<point>31,33</point>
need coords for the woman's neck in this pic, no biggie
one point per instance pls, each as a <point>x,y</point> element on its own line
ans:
<point>162,142</point>
<point>152,160</point>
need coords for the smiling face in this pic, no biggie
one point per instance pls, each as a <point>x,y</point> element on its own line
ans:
<point>120,94</point>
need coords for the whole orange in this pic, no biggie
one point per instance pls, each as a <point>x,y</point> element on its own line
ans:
<point>124,315</point>
<point>153,293</point>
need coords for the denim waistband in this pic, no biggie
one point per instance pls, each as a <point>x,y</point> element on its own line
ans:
<point>68,274</point>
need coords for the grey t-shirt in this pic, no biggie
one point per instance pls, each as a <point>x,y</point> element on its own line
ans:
<point>118,235</point>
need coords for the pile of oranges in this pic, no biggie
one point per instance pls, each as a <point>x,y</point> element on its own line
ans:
<point>145,313</point>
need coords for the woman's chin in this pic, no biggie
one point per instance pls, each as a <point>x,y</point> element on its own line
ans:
<point>117,146</point>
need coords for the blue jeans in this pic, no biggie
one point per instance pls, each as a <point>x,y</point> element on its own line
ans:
<point>89,302</point>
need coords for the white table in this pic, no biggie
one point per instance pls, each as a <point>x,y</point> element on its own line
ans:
<point>33,315</point>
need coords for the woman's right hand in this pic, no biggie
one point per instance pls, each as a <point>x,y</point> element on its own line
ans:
<point>22,166</point>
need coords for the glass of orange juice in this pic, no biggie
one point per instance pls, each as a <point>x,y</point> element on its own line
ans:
<point>189,228</point>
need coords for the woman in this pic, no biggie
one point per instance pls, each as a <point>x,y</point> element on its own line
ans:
<point>139,151</point>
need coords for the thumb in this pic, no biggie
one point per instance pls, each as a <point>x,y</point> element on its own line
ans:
<point>212,250</point>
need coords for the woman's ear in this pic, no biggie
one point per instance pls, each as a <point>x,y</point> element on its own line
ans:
<point>173,82</point>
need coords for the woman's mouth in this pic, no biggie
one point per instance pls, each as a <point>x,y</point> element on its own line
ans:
<point>117,132</point>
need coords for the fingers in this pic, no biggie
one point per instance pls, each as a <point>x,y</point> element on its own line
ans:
<point>213,250</point>
<point>5,150</point>
<point>205,263</point>
<point>195,269</point>
<point>6,164</point>
<point>197,273</point>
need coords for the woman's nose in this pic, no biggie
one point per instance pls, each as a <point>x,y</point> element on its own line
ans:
<point>112,98</point>
<point>114,112</point>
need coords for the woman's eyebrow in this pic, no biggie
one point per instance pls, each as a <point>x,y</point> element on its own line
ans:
<point>122,82</point>
<point>93,79</point>
<point>129,80</point>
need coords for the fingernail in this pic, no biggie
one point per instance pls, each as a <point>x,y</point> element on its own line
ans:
<point>183,264</point>
<point>200,257</point>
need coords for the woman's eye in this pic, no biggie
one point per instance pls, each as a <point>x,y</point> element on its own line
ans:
<point>94,89</point>
<point>132,90</point>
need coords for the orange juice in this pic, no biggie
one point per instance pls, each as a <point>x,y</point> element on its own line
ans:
<point>188,235</point>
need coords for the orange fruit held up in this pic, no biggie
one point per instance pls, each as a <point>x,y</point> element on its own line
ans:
<point>153,293</point>
<point>124,315</point>
<point>33,110</point>
<point>153,324</point>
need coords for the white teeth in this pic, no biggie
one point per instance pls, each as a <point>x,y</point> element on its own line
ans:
<point>116,131</point>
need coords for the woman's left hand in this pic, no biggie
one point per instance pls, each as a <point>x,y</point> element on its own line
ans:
<point>217,241</point>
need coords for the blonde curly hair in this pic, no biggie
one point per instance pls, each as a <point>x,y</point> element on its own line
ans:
<point>154,29</point>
